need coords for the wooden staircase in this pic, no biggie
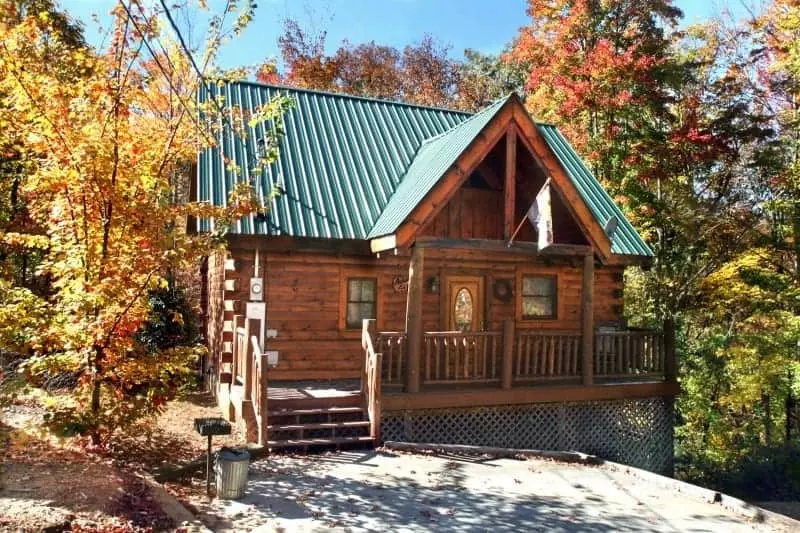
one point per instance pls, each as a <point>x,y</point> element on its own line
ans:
<point>318,423</point>
<point>300,415</point>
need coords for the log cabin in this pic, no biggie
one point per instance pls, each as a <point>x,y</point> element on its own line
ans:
<point>382,297</point>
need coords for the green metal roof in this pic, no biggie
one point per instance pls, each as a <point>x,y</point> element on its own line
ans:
<point>432,161</point>
<point>626,239</point>
<point>341,159</point>
<point>354,168</point>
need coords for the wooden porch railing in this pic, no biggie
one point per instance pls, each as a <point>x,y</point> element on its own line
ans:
<point>392,344</point>
<point>462,357</point>
<point>629,353</point>
<point>550,355</point>
<point>509,356</point>
<point>258,387</point>
<point>250,370</point>
<point>239,355</point>
<point>371,377</point>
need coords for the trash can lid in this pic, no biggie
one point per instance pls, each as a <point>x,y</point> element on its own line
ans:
<point>233,454</point>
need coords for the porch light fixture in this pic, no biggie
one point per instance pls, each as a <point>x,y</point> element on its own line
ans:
<point>433,284</point>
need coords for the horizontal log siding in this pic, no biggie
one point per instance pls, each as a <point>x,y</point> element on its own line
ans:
<point>303,294</point>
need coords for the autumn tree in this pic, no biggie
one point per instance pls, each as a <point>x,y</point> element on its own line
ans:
<point>484,78</point>
<point>58,31</point>
<point>369,69</point>
<point>110,150</point>
<point>420,73</point>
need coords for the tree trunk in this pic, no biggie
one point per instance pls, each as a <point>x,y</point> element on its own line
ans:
<point>789,405</point>
<point>765,403</point>
<point>95,405</point>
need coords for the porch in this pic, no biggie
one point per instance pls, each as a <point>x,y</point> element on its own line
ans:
<point>520,358</point>
<point>471,369</point>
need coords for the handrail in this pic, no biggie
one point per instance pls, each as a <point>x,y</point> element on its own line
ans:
<point>240,354</point>
<point>392,344</point>
<point>629,353</point>
<point>459,333</point>
<point>259,387</point>
<point>542,355</point>
<point>461,357</point>
<point>371,378</point>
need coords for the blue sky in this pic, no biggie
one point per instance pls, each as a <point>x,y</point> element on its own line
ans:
<point>485,25</point>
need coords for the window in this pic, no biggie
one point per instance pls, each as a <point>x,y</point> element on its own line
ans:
<point>361,298</point>
<point>538,297</point>
<point>462,310</point>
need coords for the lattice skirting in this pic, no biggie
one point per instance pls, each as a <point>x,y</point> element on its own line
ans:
<point>634,432</point>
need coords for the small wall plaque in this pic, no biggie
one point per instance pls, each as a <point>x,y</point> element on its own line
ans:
<point>503,289</point>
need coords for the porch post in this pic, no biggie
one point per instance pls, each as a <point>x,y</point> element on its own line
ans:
<point>670,364</point>
<point>414,318</point>
<point>587,320</point>
<point>251,327</point>
<point>510,185</point>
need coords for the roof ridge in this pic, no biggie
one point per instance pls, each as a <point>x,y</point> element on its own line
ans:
<point>349,96</point>
<point>473,116</point>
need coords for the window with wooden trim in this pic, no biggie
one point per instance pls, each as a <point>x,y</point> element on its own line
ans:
<point>362,298</point>
<point>539,297</point>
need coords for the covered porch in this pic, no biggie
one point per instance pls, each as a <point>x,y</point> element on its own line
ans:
<point>517,362</point>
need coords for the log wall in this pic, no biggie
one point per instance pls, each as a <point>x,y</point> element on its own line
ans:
<point>214,314</point>
<point>305,293</point>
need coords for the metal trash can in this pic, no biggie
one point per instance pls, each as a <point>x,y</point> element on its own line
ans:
<point>230,468</point>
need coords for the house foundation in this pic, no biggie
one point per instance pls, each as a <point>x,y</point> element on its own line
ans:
<point>636,432</point>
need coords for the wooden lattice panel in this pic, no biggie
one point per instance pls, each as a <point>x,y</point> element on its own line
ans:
<point>634,432</point>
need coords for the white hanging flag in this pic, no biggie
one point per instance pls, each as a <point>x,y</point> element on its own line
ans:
<point>540,215</point>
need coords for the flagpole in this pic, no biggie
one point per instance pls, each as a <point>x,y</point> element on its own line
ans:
<point>521,222</point>
<point>519,227</point>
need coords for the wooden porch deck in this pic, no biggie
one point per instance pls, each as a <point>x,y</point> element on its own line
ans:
<point>312,389</point>
<point>455,370</point>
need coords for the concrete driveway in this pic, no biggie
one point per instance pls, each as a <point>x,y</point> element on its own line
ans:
<point>369,491</point>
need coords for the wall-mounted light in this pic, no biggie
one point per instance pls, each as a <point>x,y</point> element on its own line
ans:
<point>433,284</point>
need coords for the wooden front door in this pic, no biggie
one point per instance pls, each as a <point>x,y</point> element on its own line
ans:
<point>464,303</point>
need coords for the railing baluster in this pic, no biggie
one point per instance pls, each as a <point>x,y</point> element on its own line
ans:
<point>528,356</point>
<point>427,342</point>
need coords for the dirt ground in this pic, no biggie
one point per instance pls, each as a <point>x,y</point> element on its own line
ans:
<point>55,485</point>
<point>172,439</point>
<point>48,485</point>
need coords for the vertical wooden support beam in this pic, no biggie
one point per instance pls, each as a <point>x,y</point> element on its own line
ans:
<point>508,353</point>
<point>235,324</point>
<point>252,327</point>
<point>375,419</point>
<point>414,318</point>
<point>670,363</point>
<point>587,320</point>
<point>510,185</point>
<point>263,407</point>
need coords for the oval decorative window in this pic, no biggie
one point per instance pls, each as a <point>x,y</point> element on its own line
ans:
<point>462,310</point>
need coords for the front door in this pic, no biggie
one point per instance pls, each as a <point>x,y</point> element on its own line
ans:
<point>464,303</point>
